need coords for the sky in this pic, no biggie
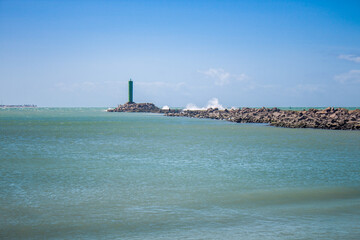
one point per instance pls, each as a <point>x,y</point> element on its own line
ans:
<point>242,53</point>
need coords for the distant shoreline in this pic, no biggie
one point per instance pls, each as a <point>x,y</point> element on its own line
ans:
<point>19,106</point>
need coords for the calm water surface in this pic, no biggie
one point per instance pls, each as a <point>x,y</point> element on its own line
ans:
<point>83,173</point>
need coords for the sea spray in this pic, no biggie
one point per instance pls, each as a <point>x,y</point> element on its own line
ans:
<point>212,103</point>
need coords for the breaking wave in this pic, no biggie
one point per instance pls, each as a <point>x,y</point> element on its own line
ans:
<point>212,103</point>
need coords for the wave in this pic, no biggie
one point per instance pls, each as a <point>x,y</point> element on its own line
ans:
<point>212,103</point>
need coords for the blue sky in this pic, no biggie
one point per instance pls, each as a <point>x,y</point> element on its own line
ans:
<point>244,53</point>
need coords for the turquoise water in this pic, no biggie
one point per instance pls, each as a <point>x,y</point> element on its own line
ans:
<point>83,173</point>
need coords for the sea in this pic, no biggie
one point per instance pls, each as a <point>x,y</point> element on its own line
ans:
<point>84,173</point>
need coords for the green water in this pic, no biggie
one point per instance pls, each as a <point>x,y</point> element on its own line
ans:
<point>83,173</point>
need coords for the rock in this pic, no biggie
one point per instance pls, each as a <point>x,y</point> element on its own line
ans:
<point>329,118</point>
<point>141,107</point>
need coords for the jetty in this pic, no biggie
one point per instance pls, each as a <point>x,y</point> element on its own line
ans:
<point>329,118</point>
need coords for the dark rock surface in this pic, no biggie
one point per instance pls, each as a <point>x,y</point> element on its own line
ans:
<point>329,118</point>
<point>141,107</point>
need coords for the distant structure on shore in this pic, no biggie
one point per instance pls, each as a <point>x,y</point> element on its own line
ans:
<point>131,89</point>
<point>131,106</point>
<point>19,106</point>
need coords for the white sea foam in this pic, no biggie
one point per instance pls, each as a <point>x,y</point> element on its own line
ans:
<point>192,106</point>
<point>166,107</point>
<point>212,103</point>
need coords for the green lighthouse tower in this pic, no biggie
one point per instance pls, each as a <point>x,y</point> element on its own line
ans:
<point>131,91</point>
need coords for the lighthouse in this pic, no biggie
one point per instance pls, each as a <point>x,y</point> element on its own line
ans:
<point>130,91</point>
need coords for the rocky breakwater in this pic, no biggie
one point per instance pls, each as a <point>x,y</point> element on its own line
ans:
<point>141,107</point>
<point>329,118</point>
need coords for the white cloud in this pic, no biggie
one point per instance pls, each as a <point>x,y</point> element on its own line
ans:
<point>241,77</point>
<point>352,76</point>
<point>352,58</point>
<point>221,77</point>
